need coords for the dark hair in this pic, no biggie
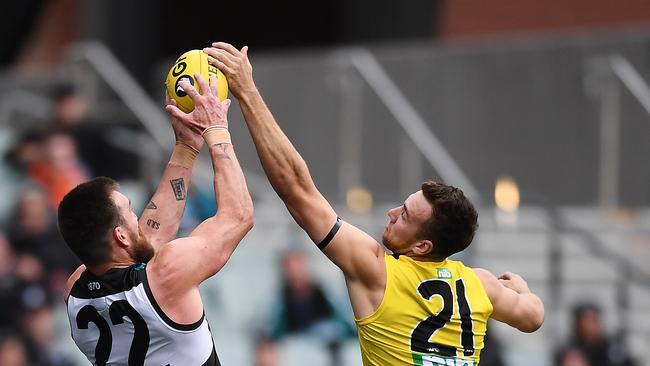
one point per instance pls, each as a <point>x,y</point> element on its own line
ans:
<point>453,222</point>
<point>87,216</point>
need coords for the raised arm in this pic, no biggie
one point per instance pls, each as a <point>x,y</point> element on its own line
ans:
<point>512,301</point>
<point>162,216</point>
<point>186,262</point>
<point>357,254</point>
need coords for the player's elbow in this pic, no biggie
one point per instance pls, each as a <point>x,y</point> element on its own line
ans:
<point>246,217</point>
<point>534,318</point>
<point>241,215</point>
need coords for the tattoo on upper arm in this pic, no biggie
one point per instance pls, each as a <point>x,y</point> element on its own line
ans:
<point>223,155</point>
<point>153,224</point>
<point>151,206</point>
<point>178,185</point>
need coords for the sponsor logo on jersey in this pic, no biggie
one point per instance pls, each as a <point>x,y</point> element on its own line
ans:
<point>435,360</point>
<point>444,273</point>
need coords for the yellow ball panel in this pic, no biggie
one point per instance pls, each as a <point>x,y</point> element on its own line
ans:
<point>184,68</point>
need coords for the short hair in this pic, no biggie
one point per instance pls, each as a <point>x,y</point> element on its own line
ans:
<point>453,222</point>
<point>87,215</point>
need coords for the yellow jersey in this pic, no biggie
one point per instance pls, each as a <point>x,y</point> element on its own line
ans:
<point>432,314</point>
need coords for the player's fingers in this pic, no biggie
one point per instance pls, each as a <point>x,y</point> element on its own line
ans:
<point>226,47</point>
<point>505,276</point>
<point>244,51</point>
<point>221,55</point>
<point>226,104</point>
<point>175,112</point>
<point>203,84</point>
<point>189,89</point>
<point>220,65</point>
<point>214,85</point>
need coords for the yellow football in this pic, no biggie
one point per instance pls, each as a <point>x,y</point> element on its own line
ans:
<point>184,68</point>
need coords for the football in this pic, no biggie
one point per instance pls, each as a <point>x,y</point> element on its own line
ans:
<point>184,68</point>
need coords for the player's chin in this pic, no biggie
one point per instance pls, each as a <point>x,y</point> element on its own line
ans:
<point>385,240</point>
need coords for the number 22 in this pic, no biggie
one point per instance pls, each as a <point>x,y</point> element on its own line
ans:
<point>117,311</point>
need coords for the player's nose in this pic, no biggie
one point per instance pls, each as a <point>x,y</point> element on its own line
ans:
<point>392,213</point>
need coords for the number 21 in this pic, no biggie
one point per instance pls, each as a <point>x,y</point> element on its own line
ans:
<point>425,329</point>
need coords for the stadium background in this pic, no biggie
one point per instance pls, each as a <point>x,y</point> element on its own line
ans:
<point>549,99</point>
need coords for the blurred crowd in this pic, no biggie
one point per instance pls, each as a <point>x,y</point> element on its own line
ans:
<point>589,344</point>
<point>34,261</point>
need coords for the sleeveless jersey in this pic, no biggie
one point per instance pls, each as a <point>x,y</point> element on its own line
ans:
<point>115,320</point>
<point>432,314</point>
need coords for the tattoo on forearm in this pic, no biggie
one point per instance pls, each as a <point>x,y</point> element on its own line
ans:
<point>178,185</point>
<point>151,206</point>
<point>223,155</point>
<point>153,224</point>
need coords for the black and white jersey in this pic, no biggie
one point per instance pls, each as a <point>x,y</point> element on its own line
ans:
<point>115,320</point>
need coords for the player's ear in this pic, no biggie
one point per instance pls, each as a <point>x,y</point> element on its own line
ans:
<point>423,247</point>
<point>120,236</point>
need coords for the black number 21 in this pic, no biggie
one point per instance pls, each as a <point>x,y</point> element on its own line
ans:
<point>425,329</point>
<point>117,311</point>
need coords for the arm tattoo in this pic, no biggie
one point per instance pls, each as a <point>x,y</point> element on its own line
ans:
<point>153,224</point>
<point>178,186</point>
<point>223,155</point>
<point>151,206</point>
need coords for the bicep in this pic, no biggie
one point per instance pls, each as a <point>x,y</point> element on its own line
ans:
<point>507,305</point>
<point>186,262</point>
<point>356,253</point>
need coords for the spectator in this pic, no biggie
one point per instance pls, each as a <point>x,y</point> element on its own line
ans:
<point>266,352</point>
<point>12,350</point>
<point>303,309</point>
<point>38,324</point>
<point>8,285</point>
<point>34,233</point>
<point>60,169</point>
<point>491,355</point>
<point>590,346</point>
<point>72,115</point>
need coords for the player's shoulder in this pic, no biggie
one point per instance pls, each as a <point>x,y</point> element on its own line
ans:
<point>487,278</point>
<point>491,284</point>
<point>72,280</point>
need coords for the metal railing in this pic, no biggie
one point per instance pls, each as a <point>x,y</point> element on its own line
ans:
<point>416,129</point>
<point>604,78</point>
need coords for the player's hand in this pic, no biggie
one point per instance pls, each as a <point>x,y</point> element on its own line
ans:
<point>235,65</point>
<point>182,132</point>
<point>208,109</point>
<point>514,282</point>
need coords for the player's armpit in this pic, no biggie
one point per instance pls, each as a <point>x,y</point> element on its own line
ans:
<point>356,253</point>
<point>524,311</point>
<point>186,262</point>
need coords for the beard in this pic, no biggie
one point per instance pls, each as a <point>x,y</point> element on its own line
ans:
<point>142,250</point>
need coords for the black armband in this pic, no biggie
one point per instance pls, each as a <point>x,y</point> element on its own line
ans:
<point>331,234</point>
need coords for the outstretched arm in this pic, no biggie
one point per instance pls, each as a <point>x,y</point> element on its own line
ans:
<point>162,216</point>
<point>512,301</point>
<point>358,255</point>
<point>184,263</point>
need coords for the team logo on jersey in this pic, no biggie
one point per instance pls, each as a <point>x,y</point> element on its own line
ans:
<point>444,273</point>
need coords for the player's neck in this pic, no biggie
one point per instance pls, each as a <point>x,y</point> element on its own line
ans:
<point>426,259</point>
<point>103,268</point>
